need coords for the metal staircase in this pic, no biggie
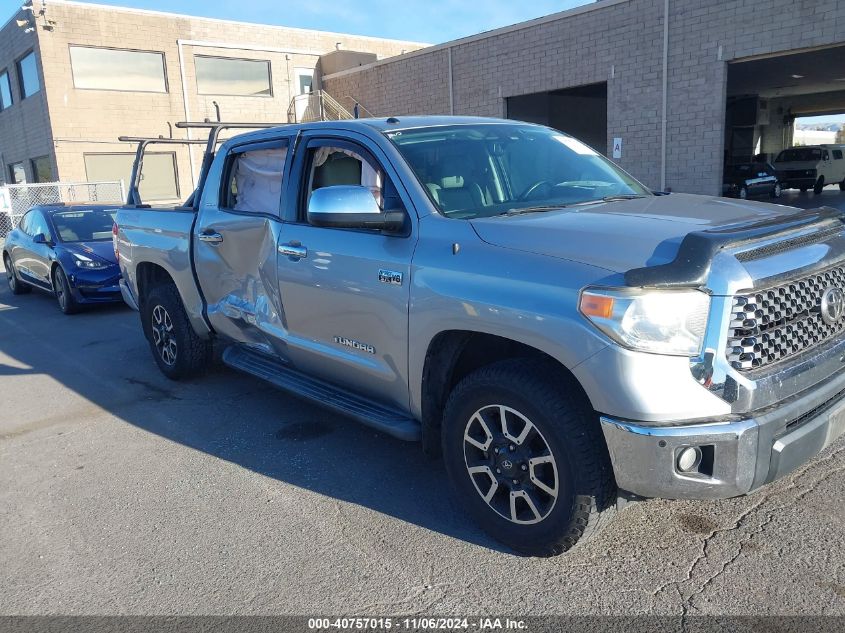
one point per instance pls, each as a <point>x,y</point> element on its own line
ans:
<point>321,106</point>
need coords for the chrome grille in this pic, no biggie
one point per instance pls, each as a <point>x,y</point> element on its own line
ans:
<point>768,326</point>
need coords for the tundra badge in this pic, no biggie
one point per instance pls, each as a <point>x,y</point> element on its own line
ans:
<point>348,342</point>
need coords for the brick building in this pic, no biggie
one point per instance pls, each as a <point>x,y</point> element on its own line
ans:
<point>684,84</point>
<point>75,78</point>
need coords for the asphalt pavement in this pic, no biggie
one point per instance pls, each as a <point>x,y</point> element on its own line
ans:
<point>122,492</point>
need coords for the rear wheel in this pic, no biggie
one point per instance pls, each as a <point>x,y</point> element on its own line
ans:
<point>817,188</point>
<point>64,296</point>
<point>178,351</point>
<point>776,190</point>
<point>15,285</point>
<point>527,457</point>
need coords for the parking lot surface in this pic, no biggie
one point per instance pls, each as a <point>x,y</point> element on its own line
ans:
<point>125,493</point>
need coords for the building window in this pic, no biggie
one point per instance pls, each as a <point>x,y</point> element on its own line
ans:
<point>227,76</point>
<point>28,76</point>
<point>17,174</point>
<point>115,69</point>
<point>42,169</point>
<point>159,179</point>
<point>5,91</point>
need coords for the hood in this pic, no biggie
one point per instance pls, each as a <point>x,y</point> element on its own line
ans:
<point>101,249</point>
<point>625,234</point>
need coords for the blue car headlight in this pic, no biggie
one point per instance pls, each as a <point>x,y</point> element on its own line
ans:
<point>89,264</point>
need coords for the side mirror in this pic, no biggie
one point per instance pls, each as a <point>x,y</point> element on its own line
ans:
<point>40,239</point>
<point>351,207</point>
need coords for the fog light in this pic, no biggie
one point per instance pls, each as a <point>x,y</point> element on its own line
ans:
<point>689,459</point>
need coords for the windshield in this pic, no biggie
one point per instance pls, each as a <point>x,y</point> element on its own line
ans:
<point>85,225</point>
<point>481,170</point>
<point>797,154</point>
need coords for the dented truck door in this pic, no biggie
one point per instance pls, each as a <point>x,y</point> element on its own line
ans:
<point>235,238</point>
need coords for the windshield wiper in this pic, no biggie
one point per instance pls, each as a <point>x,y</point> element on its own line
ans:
<point>623,196</point>
<point>537,209</point>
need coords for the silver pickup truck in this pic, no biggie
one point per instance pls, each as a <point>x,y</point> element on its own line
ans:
<point>507,296</point>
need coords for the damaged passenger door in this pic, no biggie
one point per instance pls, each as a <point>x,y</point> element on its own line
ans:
<point>235,241</point>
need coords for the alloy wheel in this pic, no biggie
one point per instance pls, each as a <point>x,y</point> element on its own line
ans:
<point>10,274</point>
<point>510,464</point>
<point>162,332</point>
<point>59,289</point>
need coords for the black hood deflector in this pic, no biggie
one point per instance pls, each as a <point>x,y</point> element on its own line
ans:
<point>691,265</point>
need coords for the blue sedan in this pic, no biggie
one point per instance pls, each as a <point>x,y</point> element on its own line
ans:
<point>67,251</point>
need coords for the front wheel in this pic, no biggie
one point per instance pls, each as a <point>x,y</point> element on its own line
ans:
<point>15,285</point>
<point>527,457</point>
<point>842,185</point>
<point>817,188</point>
<point>178,351</point>
<point>64,295</point>
<point>777,190</point>
<point>743,192</point>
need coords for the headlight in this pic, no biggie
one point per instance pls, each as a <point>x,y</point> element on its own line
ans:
<point>658,321</point>
<point>88,263</point>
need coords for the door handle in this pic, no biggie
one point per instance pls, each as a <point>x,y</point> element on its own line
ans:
<point>293,249</point>
<point>211,237</point>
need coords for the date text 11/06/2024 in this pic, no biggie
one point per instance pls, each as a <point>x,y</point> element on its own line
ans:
<point>481,624</point>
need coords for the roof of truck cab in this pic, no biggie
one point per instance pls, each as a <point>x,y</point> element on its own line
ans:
<point>381,124</point>
<point>407,122</point>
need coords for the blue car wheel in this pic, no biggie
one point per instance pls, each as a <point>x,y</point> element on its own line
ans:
<point>15,285</point>
<point>64,296</point>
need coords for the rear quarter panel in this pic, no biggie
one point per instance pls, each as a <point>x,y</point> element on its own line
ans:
<point>162,238</point>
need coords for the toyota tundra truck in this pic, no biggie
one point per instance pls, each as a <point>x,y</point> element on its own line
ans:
<point>511,299</point>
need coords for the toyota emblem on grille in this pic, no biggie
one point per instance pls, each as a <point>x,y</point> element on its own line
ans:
<point>833,305</point>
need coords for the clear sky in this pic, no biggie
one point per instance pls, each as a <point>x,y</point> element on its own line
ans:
<point>431,21</point>
<point>828,118</point>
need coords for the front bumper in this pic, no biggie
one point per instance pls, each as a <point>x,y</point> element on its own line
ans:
<point>745,453</point>
<point>798,182</point>
<point>95,286</point>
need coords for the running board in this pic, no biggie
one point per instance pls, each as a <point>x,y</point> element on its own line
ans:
<point>387,420</point>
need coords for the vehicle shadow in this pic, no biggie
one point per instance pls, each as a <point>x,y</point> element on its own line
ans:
<point>101,355</point>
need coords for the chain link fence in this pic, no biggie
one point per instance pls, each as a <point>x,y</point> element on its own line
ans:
<point>15,200</point>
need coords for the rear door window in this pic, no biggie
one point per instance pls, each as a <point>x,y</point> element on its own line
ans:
<point>254,178</point>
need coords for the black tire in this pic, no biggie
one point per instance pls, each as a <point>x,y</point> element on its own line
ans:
<point>777,190</point>
<point>743,193</point>
<point>17,286</point>
<point>817,188</point>
<point>177,350</point>
<point>62,292</point>
<point>539,393</point>
<point>842,185</point>
<point>803,189</point>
